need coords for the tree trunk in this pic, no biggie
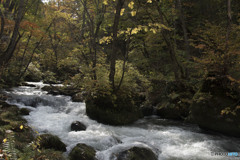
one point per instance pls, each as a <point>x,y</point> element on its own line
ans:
<point>98,25</point>
<point>2,23</point>
<point>7,55</point>
<point>229,22</point>
<point>34,50</point>
<point>125,58</point>
<point>177,67</point>
<point>83,19</point>
<point>113,55</point>
<point>185,34</point>
<point>229,26</point>
<point>24,53</point>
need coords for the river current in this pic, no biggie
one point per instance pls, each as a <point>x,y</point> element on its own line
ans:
<point>169,140</point>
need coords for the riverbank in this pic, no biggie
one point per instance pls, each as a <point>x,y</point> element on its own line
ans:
<point>18,139</point>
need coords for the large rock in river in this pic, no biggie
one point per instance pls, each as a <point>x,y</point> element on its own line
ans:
<point>216,105</point>
<point>176,101</point>
<point>136,153</point>
<point>60,90</point>
<point>78,126</point>
<point>49,141</point>
<point>82,152</point>
<point>24,111</point>
<point>113,109</point>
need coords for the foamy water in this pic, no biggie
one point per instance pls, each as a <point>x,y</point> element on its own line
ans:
<point>167,139</point>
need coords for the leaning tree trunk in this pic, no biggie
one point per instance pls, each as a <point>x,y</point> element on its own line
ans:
<point>6,55</point>
<point>178,69</point>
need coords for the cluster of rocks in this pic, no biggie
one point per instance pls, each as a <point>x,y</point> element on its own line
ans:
<point>215,106</point>
<point>84,152</point>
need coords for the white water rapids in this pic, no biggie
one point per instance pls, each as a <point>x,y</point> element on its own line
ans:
<point>169,140</point>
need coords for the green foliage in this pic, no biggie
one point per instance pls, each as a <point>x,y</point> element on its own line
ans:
<point>216,57</point>
<point>9,145</point>
<point>49,77</point>
<point>67,68</point>
<point>33,73</point>
<point>29,154</point>
<point>133,80</point>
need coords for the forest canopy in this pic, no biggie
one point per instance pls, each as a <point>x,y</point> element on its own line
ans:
<point>115,46</point>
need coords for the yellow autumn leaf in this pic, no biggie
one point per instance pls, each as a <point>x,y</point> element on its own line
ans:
<point>122,11</point>
<point>146,29</point>
<point>135,31</point>
<point>5,140</point>
<point>153,30</point>
<point>131,5</point>
<point>105,2</point>
<point>133,13</point>
<point>21,127</point>
<point>149,1</point>
<point>105,40</point>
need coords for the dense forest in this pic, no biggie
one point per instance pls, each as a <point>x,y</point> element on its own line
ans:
<point>126,59</point>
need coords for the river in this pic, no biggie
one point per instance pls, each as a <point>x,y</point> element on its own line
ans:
<point>169,140</point>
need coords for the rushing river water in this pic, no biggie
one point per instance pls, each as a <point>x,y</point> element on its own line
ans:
<point>169,140</point>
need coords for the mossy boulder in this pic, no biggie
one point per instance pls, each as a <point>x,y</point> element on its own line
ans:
<point>10,112</point>
<point>171,99</point>
<point>136,153</point>
<point>216,105</point>
<point>170,110</point>
<point>175,104</point>
<point>169,90</point>
<point>113,109</point>
<point>49,141</point>
<point>24,111</point>
<point>60,90</point>
<point>82,152</point>
<point>5,106</point>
